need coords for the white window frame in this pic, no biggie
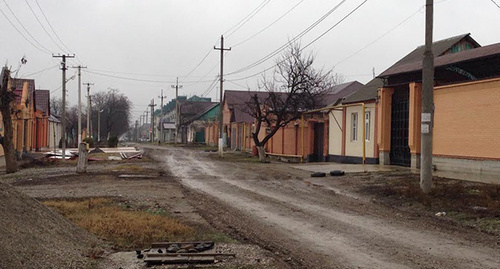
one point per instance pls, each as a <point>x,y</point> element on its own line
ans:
<point>367,125</point>
<point>354,126</point>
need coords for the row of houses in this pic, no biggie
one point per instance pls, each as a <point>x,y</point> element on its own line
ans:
<point>380,122</point>
<point>34,128</point>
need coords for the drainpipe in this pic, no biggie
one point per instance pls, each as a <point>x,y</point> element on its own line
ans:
<point>364,131</point>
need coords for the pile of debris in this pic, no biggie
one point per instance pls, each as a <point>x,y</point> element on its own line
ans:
<point>181,253</point>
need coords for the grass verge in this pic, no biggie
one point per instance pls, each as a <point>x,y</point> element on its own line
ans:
<point>126,229</point>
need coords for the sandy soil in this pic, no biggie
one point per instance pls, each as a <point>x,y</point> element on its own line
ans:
<point>316,224</point>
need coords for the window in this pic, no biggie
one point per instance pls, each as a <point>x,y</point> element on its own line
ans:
<point>354,125</point>
<point>367,126</point>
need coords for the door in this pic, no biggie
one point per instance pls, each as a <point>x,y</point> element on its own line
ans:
<point>400,151</point>
<point>319,138</point>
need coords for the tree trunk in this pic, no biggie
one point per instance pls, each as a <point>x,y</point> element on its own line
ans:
<point>8,146</point>
<point>262,154</point>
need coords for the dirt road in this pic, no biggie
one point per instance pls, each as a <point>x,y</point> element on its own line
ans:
<point>315,225</point>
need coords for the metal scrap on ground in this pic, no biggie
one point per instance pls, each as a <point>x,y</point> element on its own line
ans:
<point>181,253</point>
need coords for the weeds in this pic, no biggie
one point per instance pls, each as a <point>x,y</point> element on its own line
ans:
<point>472,204</point>
<point>126,229</point>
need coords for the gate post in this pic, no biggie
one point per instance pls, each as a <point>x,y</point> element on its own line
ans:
<point>384,124</point>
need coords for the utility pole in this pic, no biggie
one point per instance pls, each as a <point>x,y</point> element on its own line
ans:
<point>152,105</point>
<point>177,112</point>
<point>88,107</point>
<point>161,118</point>
<point>79,102</point>
<point>147,127</point>
<point>427,102</point>
<point>63,68</point>
<point>222,49</point>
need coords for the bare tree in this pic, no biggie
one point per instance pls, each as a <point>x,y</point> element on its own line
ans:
<point>115,115</point>
<point>294,88</point>
<point>7,96</point>
<point>56,106</point>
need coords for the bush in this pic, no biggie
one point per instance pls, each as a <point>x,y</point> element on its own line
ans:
<point>113,142</point>
<point>89,141</point>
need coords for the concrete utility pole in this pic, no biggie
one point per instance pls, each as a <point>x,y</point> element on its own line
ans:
<point>177,112</point>
<point>427,102</point>
<point>161,118</point>
<point>79,102</point>
<point>88,107</point>
<point>152,105</point>
<point>222,49</point>
<point>63,68</point>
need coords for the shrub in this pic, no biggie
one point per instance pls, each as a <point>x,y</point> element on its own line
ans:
<point>113,142</point>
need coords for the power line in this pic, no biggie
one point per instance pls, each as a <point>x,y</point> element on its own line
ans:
<point>134,79</point>
<point>43,27</point>
<point>249,18</point>
<point>40,47</point>
<point>267,27</point>
<point>376,40</point>
<point>278,50</point>
<point>316,39</point>
<point>50,25</point>
<point>236,25</point>
<point>496,4</point>
<point>210,87</point>
<point>202,60</point>
<point>43,70</point>
<point>335,25</point>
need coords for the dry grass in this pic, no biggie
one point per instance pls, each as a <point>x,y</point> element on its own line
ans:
<point>126,229</point>
<point>469,203</point>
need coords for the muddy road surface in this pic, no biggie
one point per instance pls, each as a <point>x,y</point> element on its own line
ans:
<point>314,225</point>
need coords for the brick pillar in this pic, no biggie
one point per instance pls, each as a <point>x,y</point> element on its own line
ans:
<point>384,124</point>
<point>415,107</point>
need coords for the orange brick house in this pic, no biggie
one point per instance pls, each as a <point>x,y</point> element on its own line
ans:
<point>466,96</point>
<point>304,139</point>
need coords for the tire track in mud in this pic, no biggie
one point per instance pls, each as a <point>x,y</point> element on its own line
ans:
<point>348,239</point>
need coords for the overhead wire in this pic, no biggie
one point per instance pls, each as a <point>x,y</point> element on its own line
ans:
<point>50,25</point>
<point>43,27</point>
<point>284,46</point>
<point>249,18</point>
<point>202,60</point>
<point>134,79</point>
<point>335,25</point>
<point>249,14</point>
<point>40,46</point>
<point>43,70</point>
<point>496,4</point>
<point>268,26</point>
<point>316,39</point>
<point>376,40</point>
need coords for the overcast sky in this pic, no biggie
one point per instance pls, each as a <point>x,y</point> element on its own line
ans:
<point>140,47</point>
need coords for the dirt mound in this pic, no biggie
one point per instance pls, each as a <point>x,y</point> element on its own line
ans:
<point>34,236</point>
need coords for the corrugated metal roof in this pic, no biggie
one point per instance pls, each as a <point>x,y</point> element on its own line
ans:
<point>416,56</point>
<point>454,58</point>
<point>366,93</point>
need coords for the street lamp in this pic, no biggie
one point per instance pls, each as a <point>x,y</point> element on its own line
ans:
<point>99,125</point>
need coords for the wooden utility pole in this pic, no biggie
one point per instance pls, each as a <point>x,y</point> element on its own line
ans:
<point>152,105</point>
<point>222,49</point>
<point>79,102</point>
<point>63,68</point>
<point>6,99</point>
<point>427,102</point>
<point>177,111</point>
<point>161,117</point>
<point>88,107</point>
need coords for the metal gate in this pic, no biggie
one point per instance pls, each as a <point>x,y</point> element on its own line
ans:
<point>400,151</point>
